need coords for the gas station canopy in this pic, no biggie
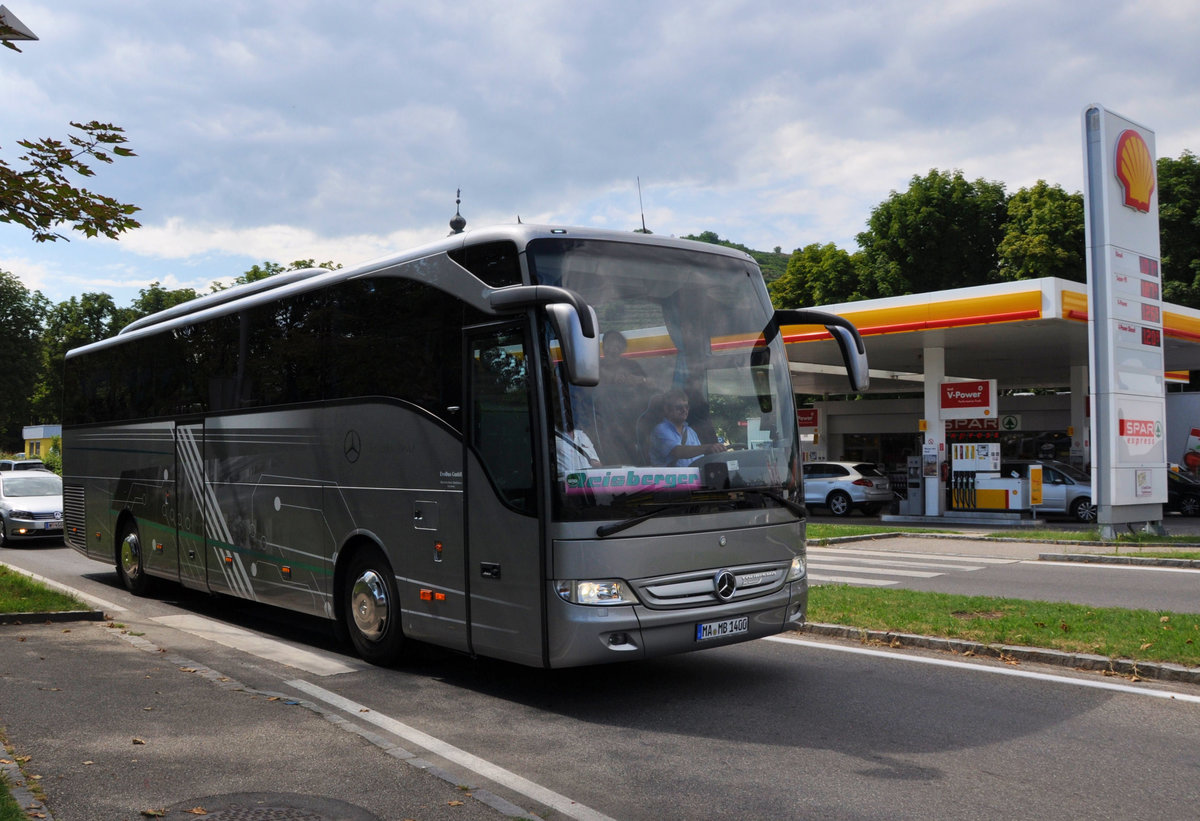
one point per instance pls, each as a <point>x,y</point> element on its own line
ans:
<point>1025,334</point>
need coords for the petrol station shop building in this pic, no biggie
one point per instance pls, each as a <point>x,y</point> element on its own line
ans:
<point>1030,336</point>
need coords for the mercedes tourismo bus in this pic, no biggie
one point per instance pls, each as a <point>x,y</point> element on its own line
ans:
<point>455,445</point>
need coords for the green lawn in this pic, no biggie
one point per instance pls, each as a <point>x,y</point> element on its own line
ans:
<point>1141,635</point>
<point>21,594</point>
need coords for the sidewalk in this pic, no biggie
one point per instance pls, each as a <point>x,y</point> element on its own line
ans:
<point>145,732</point>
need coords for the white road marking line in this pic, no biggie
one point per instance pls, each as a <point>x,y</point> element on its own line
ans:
<point>485,768</point>
<point>98,602</point>
<point>1107,566</point>
<point>814,550</point>
<point>873,562</point>
<point>817,577</point>
<point>229,636</point>
<point>1000,671</point>
<point>847,568</point>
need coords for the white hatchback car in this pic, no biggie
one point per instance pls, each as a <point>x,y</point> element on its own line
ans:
<point>844,486</point>
<point>31,506</point>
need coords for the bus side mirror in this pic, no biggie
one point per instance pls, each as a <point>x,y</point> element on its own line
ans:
<point>854,353</point>
<point>574,323</point>
<point>580,353</point>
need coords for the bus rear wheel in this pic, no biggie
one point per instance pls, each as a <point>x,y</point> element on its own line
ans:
<point>371,608</point>
<point>129,561</point>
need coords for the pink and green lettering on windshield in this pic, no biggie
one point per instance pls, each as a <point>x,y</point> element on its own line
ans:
<point>622,480</point>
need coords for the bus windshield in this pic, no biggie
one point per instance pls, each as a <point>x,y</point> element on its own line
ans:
<point>693,409</point>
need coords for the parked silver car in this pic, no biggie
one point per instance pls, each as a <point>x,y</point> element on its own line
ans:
<point>1065,489</point>
<point>22,464</point>
<point>30,506</point>
<point>844,486</point>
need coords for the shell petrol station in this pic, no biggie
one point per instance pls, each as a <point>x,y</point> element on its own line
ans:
<point>1087,374</point>
<point>1004,366</point>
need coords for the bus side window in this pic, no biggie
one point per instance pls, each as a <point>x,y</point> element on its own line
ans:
<point>501,412</point>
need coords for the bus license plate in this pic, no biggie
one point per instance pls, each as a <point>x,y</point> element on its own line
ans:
<point>723,628</point>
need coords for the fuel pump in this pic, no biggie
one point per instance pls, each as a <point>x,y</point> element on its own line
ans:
<point>970,465</point>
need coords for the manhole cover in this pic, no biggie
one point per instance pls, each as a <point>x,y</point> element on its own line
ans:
<point>268,807</point>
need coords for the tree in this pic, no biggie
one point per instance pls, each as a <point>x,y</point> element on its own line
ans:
<point>817,275</point>
<point>1044,235</point>
<point>156,298</point>
<point>268,269</point>
<point>942,232</point>
<point>1179,228</point>
<point>41,196</point>
<point>20,337</point>
<point>771,264</point>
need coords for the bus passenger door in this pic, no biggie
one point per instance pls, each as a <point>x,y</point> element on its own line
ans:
<point>505,571</point>
<point>189,504</point>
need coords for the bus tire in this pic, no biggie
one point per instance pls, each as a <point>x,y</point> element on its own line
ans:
<point>130,566</point>
<point>371,607</point>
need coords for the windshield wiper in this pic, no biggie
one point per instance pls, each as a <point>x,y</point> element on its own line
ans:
<point>799,510</point>
<point>625,524</point>
<point>617,527</point>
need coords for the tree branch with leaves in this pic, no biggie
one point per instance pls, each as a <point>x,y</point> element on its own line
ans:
<point>41,195</point>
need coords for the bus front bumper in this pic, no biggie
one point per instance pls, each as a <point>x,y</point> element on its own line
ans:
<point>582,635</point>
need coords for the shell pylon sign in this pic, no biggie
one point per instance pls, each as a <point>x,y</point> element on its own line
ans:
<point>1135,169</point>
<point>1129,466</point>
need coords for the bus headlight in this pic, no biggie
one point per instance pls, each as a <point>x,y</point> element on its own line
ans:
<point>797,569</point>
<point>604,591</point>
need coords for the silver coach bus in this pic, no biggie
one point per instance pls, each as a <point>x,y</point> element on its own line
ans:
<point>438,447</point>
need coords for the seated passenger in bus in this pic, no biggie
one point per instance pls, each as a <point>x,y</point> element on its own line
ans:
<point>575,451</point>
<point>673,442</point>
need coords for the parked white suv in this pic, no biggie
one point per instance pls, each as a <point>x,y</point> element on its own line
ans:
<point>22,464</point>
<point>844,486</point>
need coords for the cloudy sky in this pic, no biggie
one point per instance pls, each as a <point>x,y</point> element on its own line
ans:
<point>340,131</point>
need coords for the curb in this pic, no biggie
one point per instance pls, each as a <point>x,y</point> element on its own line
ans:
<point>52,617</point>
<point>14,779</point>
<point>1160,671</point>
<point>1139,561</point>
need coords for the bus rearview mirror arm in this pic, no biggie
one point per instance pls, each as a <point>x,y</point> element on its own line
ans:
<point>854,353</point>
<point>574,324</point>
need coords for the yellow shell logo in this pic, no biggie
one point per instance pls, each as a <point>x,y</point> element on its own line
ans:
<point>1135,169</point>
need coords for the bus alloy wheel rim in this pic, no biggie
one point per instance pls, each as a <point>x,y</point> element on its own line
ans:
<point>130,550</point>
<point>369,604</point>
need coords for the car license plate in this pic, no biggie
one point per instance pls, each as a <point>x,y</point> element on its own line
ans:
<point>723,628</point>
<point>52,525</point>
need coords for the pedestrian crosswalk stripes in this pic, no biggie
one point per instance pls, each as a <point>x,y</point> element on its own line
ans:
<point>881,568</point>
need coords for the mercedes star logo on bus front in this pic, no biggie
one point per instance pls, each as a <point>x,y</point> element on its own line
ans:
<point>352,446</point>
<point>725,585</point>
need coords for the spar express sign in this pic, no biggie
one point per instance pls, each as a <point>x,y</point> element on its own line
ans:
<point>968,400</point>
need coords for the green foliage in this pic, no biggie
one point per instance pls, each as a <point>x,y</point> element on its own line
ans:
<point>21,313</point>
<point>268,269</point>
<point>772,263</point>
<point>1179,225</point>
<point>1044,235</point>
<point>943,232</point>
<point>41,196</point>
<point>818,275</point>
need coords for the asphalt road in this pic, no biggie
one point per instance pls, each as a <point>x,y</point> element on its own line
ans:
<point>771,729</point>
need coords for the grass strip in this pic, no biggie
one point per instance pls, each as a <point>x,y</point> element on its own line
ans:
<point>1092,536</point>
<point>815,531</point>
<point>1141,635</point>
<point>21,594</point>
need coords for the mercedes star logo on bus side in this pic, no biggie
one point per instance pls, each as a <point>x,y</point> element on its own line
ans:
<point>352,446</point>
<point>725,585</point>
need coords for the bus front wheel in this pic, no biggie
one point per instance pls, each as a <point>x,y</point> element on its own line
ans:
<point>371,608</point>
<point>129,561</point>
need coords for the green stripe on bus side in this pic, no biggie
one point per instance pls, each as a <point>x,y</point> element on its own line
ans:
<point>256,555</point>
